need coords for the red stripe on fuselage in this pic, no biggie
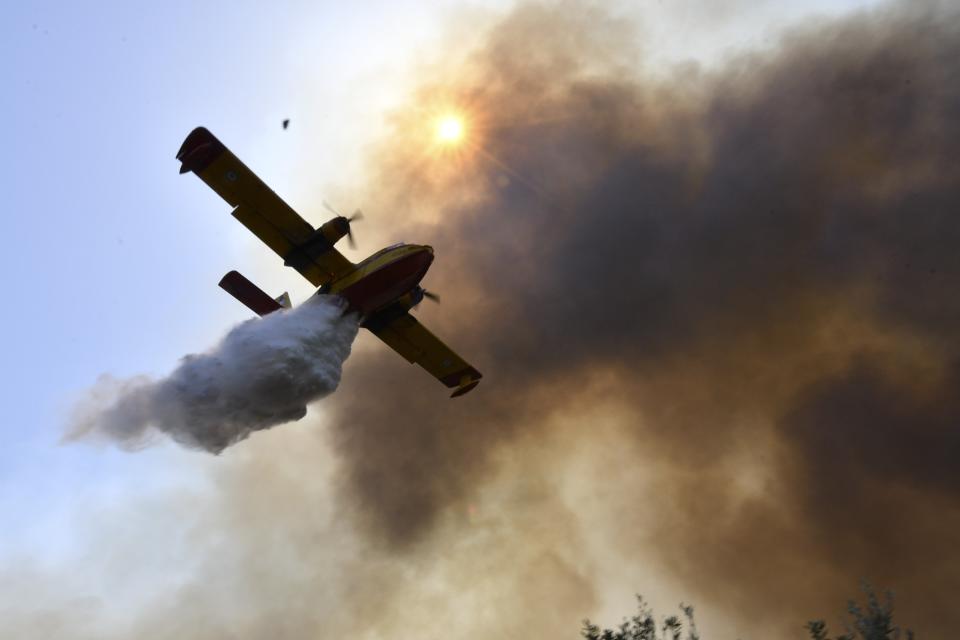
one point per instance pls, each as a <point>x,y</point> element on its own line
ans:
<point>386,284</point>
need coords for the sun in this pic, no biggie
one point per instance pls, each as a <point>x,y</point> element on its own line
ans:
<point>449,129</point>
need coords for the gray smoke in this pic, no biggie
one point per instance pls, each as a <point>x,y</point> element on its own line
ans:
<point>263,373</point>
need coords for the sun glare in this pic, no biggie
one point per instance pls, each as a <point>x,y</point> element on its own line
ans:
<point>449,129</point>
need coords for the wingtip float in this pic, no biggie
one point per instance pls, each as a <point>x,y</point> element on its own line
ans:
<point>382,288</point>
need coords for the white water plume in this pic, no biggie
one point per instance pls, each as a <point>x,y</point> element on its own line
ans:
<point>263,373</point>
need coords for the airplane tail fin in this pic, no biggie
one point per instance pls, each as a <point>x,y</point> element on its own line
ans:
<point>283,300</point>
<point>251,295</point>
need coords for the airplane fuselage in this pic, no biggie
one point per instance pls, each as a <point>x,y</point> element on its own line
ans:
<point>383,279</point>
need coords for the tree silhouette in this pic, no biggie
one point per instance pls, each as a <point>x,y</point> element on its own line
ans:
<point>875,622</point>
<point>642,626</point>
<point>872,622</point>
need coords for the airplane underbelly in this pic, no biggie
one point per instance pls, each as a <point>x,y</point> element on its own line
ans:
<point>388,283</point>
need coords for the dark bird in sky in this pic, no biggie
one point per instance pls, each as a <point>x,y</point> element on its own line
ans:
<point>286,123</point>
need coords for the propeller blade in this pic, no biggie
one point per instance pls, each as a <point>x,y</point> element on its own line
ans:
<point>431,296</point>
<point>327,206</point>
<point>357,215</point>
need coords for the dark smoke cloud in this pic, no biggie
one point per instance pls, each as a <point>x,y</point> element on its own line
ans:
<point>758,264</point>
<point>263,373</point>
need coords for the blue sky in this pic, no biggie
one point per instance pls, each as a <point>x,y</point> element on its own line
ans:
<point>112,258</point>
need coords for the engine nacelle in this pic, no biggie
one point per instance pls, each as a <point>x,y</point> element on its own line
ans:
<point>411,299</point>
<point>402,305</point>
<point>319,243</point>
<point>333,230</point>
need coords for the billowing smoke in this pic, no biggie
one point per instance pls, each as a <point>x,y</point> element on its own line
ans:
<point>753,270</point>
<point>263,373</point>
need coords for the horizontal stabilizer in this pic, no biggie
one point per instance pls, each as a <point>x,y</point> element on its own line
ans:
<point>249,294</point>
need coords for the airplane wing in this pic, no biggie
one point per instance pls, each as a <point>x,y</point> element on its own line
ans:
<point>260,209</point>
<point>405,335</point>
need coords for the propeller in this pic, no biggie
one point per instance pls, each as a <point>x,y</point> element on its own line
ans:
<point>329,208</point>
<point>423,293</point>
<point>357,216</point>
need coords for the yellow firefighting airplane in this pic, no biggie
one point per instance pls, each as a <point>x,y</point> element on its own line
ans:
<point>382,289</point>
